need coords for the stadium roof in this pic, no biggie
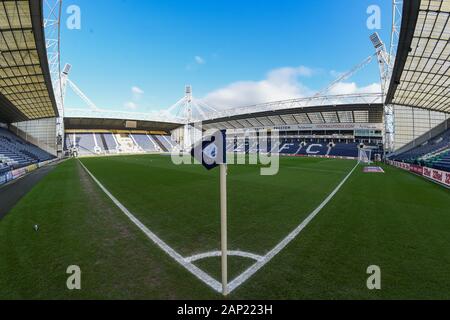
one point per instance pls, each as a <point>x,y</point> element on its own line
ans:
<point>26,91</point>
<point>112,114</point>
<point>316,101</point>
<point>117,124</point>
<point>421,76</point>
<point>351,113</point>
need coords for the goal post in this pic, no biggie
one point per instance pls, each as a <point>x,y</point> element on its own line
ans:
<point>365,156</point>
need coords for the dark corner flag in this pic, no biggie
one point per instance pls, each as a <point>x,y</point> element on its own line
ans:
<point>211,152</point>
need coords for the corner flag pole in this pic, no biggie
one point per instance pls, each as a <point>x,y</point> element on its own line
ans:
<point>223,225</point>
<point>214,154</point>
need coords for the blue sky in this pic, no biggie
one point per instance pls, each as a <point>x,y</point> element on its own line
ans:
<point>137,55</point>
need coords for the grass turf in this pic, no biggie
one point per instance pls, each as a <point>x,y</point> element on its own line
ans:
<point>394,220</point>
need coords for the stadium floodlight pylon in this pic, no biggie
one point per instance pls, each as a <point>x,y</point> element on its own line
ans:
<point>389,109</point>
<point>52,28</point>
<point>189,108</point>
<point>94,111</point>
<point>396,27</point>
<point>386,66</point>
<point>65,81</point>
<point>190,111</point>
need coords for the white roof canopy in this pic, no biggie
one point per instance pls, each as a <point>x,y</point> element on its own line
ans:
<point>422,70</point>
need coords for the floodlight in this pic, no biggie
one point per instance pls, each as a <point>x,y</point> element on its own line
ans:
<point>376,40</point>
<point>67,68</point>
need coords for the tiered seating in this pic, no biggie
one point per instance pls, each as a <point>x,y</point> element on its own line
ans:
<point>111,144</point>
<point>291,148</point>
<point>443,163</point>
<point>319,149</point>
<point>145,142</point>
<point>433,153</point>
<point>101,143</point>
<point>297,147</point>
<point>4,167</point>
<point>166,142</point>
<point>439,160</point>
<point>345,150</point>
<point>85,143</point>
<point>17,153</point>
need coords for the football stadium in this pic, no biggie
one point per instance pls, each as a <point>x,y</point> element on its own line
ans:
<point>323,196</point>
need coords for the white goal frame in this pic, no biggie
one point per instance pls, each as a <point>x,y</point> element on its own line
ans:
<point>365,156</point>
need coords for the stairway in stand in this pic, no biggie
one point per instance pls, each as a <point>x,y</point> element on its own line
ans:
<point>126,144</point>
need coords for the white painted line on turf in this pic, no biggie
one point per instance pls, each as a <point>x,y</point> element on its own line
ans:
<point>200,274</point>
<point>214,254</point>
<point>283,244</point>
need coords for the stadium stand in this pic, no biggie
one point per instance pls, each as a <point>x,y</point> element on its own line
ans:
<point>101,142</point>
<point>146,143</point>
<point>16,153</point>
<point>300,147</point>
<point>166,143</point>
<point>319,149</point>
<point>345,150</point>
<point>85,143</point>
<point>230,145</point>
<point>433,153</point>
<point>108,143</point>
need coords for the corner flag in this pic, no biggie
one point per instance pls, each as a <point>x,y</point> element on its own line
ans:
<point>211,152</point>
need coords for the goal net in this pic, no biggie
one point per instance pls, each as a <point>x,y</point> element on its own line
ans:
<point>365,156</point>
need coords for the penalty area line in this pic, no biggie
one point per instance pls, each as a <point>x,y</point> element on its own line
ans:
<point>200,274</point>
<point>241,279</point>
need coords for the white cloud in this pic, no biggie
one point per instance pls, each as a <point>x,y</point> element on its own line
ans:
<point>137,93</point>
<point>280,84</point>
<point>137,90</point>
<point>199,60</point>
<point>130,105</point>
<point>353,88</point>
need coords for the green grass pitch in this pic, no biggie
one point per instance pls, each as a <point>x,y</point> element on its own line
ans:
<point>395,220</point>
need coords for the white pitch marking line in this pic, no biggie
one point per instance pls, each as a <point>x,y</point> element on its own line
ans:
<point>278,248</point>
<point>200,274</point>
<point>214,254</point>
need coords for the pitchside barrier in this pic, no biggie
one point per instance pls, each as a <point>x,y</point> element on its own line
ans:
<point>18,173</point>
<point>438,176</point>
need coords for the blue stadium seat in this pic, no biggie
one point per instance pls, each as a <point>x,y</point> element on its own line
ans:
<point>16,152</point>
<point>145,142</point>
<point>434,153</point>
